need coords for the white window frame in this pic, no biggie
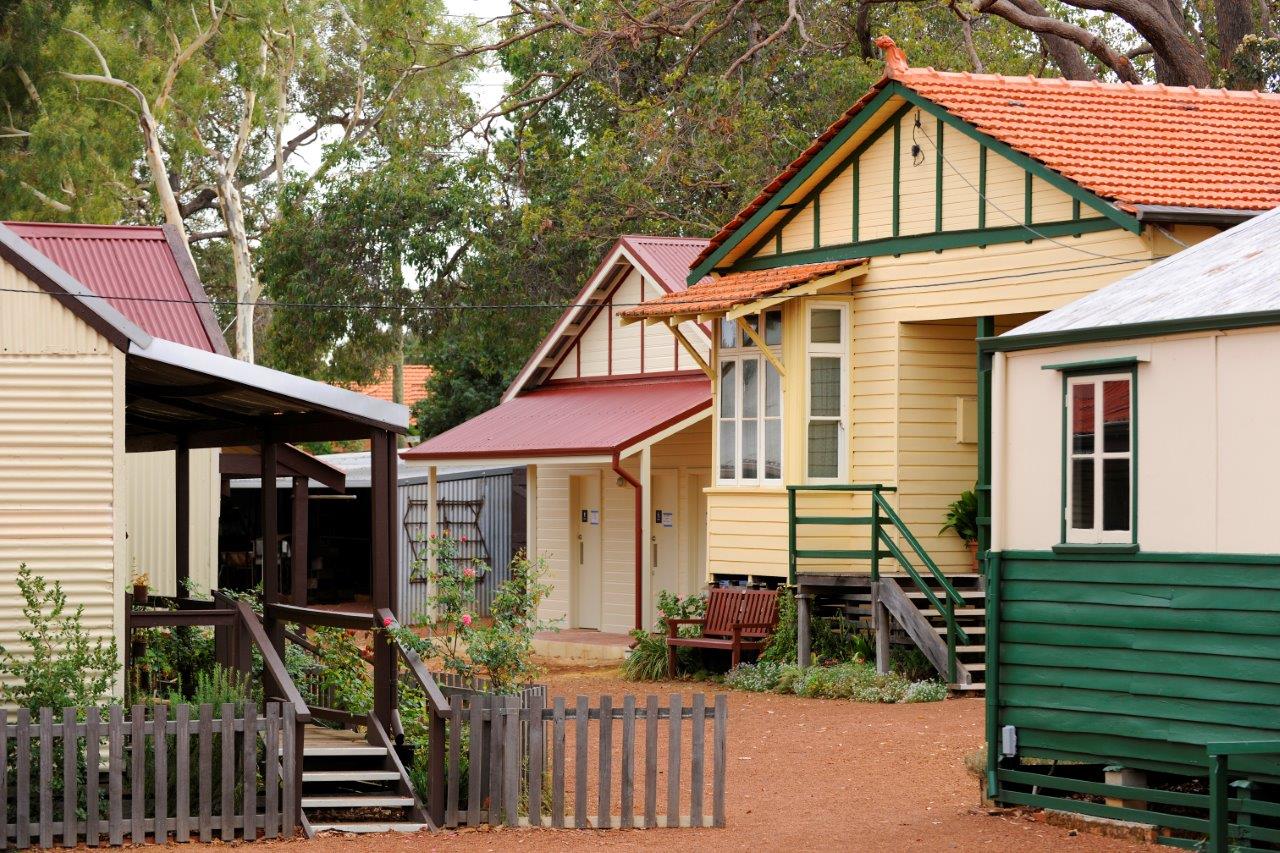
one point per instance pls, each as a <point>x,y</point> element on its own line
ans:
<point>744,351</point>
<point>840,350</point>
<point>1096,535</point>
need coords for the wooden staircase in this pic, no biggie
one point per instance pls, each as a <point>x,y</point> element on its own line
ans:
<point>352,785</point>
<point>915,613</point>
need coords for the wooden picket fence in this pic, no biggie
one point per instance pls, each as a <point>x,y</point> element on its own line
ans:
<point>105,779</point>
<point>518,762</point>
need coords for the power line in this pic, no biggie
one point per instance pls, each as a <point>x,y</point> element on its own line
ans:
<point>564,306</point>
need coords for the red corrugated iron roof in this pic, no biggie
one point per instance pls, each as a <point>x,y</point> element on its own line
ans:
<point>1134,145</point>
<point>736,288</point>
<point>575,420</point>
<point>415,384</point>
<point>139,270</point>
<point>665,259</point>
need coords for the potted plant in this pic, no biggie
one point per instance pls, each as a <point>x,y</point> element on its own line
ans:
<point>962,517</point>
<point>141,583</point>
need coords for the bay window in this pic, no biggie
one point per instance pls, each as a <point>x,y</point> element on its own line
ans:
<point>749,406</point>
<point>1099,458</point>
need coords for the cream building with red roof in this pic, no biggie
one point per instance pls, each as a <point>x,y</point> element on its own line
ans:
<point>846,299</point>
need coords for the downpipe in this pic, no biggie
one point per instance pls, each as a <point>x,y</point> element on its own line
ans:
<point>616,465</point>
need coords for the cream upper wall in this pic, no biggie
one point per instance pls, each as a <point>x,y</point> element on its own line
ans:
<point>607,348</point>
<point>1207,458</point>
<point>61,448</point>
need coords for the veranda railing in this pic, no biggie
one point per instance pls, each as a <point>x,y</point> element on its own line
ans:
<point>882,520</point>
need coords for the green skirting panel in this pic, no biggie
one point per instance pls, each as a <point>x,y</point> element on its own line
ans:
<point>1138,660</point>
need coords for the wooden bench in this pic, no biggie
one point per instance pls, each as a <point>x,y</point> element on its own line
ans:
<point>737,619</point>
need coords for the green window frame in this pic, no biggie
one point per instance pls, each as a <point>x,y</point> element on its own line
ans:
<point>1100,405</point>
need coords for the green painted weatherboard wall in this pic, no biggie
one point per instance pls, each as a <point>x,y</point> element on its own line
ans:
<point>1139,660</point>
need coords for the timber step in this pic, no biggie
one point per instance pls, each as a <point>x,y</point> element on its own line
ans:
<point>353,785</point>
<point>350,776</point>
<point>356,801</point>
<point>971,650</point>
<point>960,611</point>
<point>968,629</point>
<point>963,593</point>
<point>371,827</point>
<point>976,687</point>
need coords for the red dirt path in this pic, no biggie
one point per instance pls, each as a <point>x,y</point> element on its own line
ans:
<point>804,774</point>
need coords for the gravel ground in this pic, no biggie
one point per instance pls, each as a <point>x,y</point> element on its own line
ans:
<point>804,774</point>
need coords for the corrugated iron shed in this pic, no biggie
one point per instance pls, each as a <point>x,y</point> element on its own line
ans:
<point>1235,272</point>
<point>143,272</point>
<point>592,418</point>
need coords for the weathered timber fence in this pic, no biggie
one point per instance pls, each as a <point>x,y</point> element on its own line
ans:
<point>525,764</point>
<point>186,772</point>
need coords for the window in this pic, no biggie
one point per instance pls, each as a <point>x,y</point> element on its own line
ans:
<point>1099,459</point>
<point>749,416</point>
<point>826,429</point>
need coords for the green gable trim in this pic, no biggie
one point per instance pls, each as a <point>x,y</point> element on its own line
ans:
<point>929,242</point>
<point>770,207</point>
<point>894,89</point>
<point>982,186</point>
<point>897,176</point>
<point>1097,365</point>
<point>1126,331</point>
<point>849,162</point>
<point>937,185</point>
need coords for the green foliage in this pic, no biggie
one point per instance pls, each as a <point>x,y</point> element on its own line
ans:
<point>341,670</point>
<point>171,659</point>
<point>911,663</point>
<point>61,664</point>
<point>856,681</point>
<point>647,660</point>
<point>452,600</point>
<point>832,639</point>
<point>962,516</point>
<point>503,651</point>
<point>217,686</point>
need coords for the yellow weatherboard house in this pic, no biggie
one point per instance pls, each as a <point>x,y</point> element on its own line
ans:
<point>847,297</point>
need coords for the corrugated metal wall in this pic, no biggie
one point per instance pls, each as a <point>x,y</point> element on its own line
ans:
<point>61,437</point>
<point>501,524</point>
<point>149,518</point>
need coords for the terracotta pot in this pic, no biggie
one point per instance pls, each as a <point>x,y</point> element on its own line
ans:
<point>139,593</point>
<point>973,553</point>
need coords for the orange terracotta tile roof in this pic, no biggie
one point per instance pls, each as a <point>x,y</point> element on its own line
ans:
<point>1130,144</point>
<point>415,384</point>
<point>738,288</point>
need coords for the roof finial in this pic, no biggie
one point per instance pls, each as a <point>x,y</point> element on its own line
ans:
<point>895,61</point>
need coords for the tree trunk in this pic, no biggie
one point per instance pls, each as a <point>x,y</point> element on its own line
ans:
<point>1235,21</point>
<point>160,173</point>
<point>247,288</point>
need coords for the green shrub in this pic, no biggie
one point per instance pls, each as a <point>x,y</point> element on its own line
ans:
<point>64,667</point>
<point>647,661</point>
<point>217,686</point>
<point>503,651</point>
<point>833,639</point>
<point>856,681</point>
<point>962,516</point>
<point>911,664</point>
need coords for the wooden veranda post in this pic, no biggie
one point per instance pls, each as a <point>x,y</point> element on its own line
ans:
<point>182,517</point>
<point>270,556</point>
<point>382,587</point>
<point>299,552</point>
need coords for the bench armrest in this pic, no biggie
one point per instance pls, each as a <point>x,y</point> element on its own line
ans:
<point>673,625</point>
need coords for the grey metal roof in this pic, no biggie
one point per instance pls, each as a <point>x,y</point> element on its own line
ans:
<point>356,466</point>
<point>1235,272</point>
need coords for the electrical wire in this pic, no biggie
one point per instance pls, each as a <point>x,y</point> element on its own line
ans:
<point>1015,220</point>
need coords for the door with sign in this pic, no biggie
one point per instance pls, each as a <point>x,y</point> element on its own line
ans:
<point>664,538</point>
<point>584,527</point>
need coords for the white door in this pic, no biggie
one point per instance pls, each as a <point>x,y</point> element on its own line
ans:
<point>664,544</point>
<point>696,568</point>
<point>584,525</point>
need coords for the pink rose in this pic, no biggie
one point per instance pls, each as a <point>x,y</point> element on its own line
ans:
<point>468,572</point>
<point>387,621</point>
<point>464,539</point>
<point>466,620</point>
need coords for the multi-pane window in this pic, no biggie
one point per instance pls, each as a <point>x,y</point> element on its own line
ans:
<point>749,414</point>
<point>825,448</point>
<point>1099,467</point>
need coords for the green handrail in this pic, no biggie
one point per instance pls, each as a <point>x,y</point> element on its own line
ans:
<point>945,606</point>
<point>1219,839</point>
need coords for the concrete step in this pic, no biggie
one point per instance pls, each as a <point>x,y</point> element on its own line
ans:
<point>968,688</point>
<point>364,828</point>
<point>356,801</point>
<point>349,776</point>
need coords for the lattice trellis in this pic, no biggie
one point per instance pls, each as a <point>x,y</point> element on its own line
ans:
<point>460,518</point>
